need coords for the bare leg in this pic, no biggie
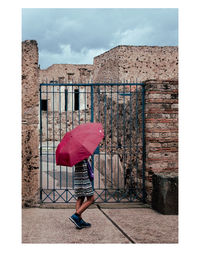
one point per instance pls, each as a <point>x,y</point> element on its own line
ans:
<point>85,205</point>
<point>79,203</point>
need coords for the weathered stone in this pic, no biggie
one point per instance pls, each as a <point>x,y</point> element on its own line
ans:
<point>136,63</point>
<point>165,194</point>
<point>30,121</point>
<point>115,177</point>
<point>67,73</point>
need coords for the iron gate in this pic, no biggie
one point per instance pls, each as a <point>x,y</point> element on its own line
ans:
<point>119,160</point>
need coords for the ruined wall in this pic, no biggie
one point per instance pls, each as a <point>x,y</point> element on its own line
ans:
<point>30,122</point>
<point>106,66</point>
<point>161,129</point>
<point>67,73</point>
<point>139,63</point>
<point>55,95</point>
<point>121,63</point>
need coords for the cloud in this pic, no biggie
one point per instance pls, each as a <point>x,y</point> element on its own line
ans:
<point>145,36</point>
<point>72,35</point>
<point>132,37</point>
<point>68,56</point>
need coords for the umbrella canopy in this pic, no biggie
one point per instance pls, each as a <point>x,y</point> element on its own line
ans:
<point>79,144</point>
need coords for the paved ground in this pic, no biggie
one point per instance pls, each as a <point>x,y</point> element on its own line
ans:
<point>122,224</point>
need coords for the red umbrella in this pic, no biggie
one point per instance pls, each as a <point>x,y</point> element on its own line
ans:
<point>79,144</point>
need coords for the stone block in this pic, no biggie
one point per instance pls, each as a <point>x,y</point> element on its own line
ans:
<point>165,194</point>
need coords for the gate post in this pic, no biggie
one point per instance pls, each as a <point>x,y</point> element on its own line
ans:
<point>30,123</point>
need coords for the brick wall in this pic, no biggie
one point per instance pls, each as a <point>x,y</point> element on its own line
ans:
<point>161,129</point>
<point>30,122</point>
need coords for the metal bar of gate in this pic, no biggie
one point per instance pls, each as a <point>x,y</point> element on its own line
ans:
<point>117,142</point>
<point>41,143</point>
<point>72,106</point>
<point>94,84</point>
<point>92,104</point>
<point>79,105</point>
<point>105,131</point>
<point>66,111</point>
<point>111,115</point>
<point>144,145</point>
<point>130,141</point>
<point>136,134</point>
<point>54,166</point>
<point>98,97</point>
<point>92,120</point>
<point>47,146</point>
<point>60,119</point>
<point>85,99</point>
<point>72,93</point>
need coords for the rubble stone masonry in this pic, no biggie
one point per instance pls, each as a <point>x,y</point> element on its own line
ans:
<point>30,122</point>
<point>67,73</point>
<point>136,63</point>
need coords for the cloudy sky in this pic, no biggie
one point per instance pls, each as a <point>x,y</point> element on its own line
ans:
<point>75,36</point>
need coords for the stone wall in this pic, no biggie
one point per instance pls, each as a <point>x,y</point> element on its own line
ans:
<point>67,73</point>
<point>131,63</point>
<point>161,130</point>
<point>122,63</point>
<point>30,122</point>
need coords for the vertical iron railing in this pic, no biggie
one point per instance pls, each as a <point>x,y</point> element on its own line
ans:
<point>119,175</point>
<point>40,106</point>
<point>143,146</point>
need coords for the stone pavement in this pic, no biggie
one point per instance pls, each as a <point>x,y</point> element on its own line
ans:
<point>118,223</point>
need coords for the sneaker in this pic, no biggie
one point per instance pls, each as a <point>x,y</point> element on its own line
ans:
<point>76,220</point>
<point>85,224</point>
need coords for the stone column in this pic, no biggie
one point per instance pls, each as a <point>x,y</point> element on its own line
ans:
<point>30,123</point>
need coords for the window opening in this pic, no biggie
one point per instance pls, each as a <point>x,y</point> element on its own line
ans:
<point>44,105</point>
<point>66,98</point>
<point>76,99</point>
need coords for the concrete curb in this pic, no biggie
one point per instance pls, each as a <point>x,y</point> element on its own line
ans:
<point>93,206</point>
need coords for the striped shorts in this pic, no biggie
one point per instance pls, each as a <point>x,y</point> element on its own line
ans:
<point>82,183</point>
